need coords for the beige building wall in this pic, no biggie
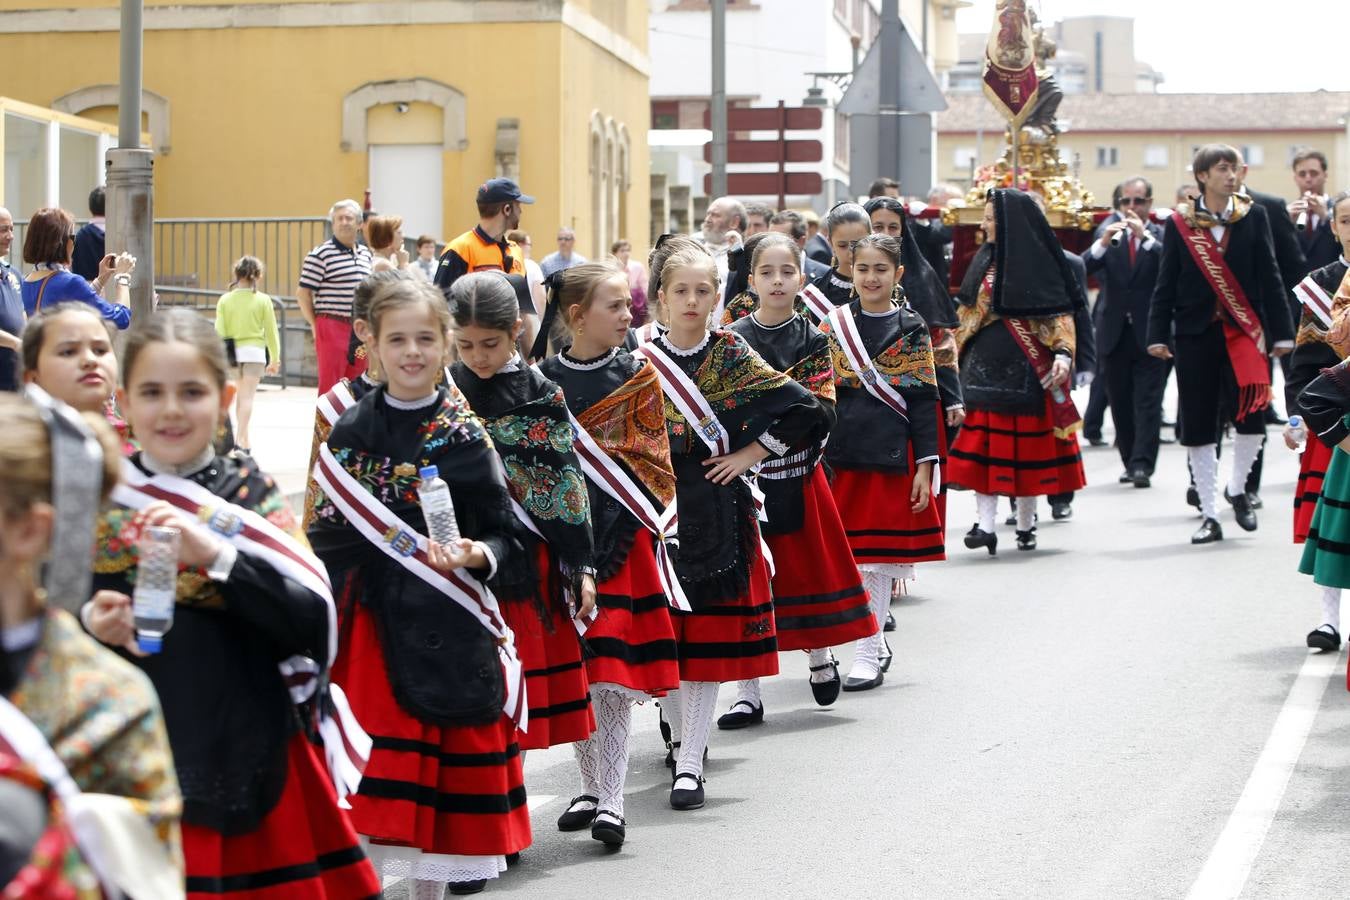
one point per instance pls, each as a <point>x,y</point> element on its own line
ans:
<point>1107,158</point>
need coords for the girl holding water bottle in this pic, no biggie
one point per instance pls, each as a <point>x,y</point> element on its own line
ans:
<point>428,664</point>
<point>256,798</point>
<point>1318,345</point>
<point>526,417</point>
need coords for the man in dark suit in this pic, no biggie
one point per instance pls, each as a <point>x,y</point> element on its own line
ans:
<point>1135,380</point>
<point>1309,211</point>
<point>1220,373</point>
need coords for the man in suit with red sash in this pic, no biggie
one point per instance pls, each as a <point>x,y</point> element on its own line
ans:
<point>1219,307</point>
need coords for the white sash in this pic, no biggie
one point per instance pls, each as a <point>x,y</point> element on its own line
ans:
<point>851,342</point>
<point>611,478</point>
<point>647,333</point>
<point>691,403</point>
<point>377,524</point>
<point>335,402</point>
<point>1318,302</point>
<point>346,744</point>
<point>817,302</point>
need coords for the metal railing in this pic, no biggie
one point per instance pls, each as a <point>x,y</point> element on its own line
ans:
<point>194,265</point>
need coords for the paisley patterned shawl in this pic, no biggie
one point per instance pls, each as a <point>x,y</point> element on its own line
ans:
<point>101,716</point>
<point>534,440</point>
<point>907,364</point>
<point>630,426</point>
<point>815,372</point>
<point>1055,332</point>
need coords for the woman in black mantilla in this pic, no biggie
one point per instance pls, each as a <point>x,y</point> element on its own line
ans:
<point>1016,341</point>
<point>756,412</point>
<point>442,799</point>
<point>527,419</point>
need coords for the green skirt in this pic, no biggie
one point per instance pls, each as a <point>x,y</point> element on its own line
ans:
<point>1326,553</point>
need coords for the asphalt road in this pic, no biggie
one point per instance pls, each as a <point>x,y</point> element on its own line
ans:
<point>1076,722</point>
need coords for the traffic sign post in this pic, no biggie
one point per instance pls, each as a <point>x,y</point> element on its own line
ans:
<point>782,119</point>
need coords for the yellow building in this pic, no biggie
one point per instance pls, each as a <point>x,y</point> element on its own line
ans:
<point>279,108</point>
<point>1113,136</point>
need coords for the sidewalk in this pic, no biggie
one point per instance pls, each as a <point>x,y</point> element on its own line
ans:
<point>281,431</point>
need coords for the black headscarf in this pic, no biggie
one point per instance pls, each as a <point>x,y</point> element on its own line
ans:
<point>922,285</point>
<point>1031,275</point>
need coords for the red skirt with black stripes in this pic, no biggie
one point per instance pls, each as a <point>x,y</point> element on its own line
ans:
<point>632,640</point>
<point>1312,471</point>
<point>1014,456</point>
<point>734,640</point>
<point>556,686</point>
<point>456,789</point>
<point>304,849</point>
<point>881,529</point>
<point>818,597</point>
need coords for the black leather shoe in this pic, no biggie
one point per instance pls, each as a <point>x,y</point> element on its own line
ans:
<point>1255,500</point>
<point>686,798</point>
<point>577,819</point>
<point>1061,511</point>
<point>1140,478</point>
<point>1026,540</point>
<point>890,621</point>
<point>609,829</point>
<point>977,537</point>
<point>743,714</point>
<point>1011,520</point>
<point>886,656</point>
<point>1321,639</point>
<point>1095,440</point>
<point>1208,533</point>
<point>1125,478</point>
<point>1242,510</point>
<point>465,888</point>
<point>852,684</point>
<point>826,692</point>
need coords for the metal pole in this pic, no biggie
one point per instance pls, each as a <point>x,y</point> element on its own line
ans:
<point>130,174</point>
<point>888,127</point>
<point>719,97</point>
<point>782,155</point>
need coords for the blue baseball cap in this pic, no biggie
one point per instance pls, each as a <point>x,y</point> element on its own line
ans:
<point>501,190</point>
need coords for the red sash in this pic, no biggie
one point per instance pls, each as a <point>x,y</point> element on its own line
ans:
<point>1063,413</point>
<point>1241,327</point>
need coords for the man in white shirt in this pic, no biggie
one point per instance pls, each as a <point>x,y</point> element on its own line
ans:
<point>566,257</point>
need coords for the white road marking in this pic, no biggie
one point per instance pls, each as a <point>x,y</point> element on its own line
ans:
<point>534,801</point>
<point>1225,873</point>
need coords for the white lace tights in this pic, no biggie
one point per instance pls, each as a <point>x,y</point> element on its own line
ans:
<point>698,708</point>
<point>603,757</point>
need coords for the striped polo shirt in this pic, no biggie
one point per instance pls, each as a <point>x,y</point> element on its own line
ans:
<point>332,272</point>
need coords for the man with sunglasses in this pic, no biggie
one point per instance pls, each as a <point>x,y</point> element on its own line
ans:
<point>1135,380</point>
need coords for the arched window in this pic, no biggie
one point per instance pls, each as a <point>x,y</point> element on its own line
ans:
<point>154,107</point>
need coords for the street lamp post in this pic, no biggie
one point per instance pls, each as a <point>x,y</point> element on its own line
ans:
<point>130,192</point>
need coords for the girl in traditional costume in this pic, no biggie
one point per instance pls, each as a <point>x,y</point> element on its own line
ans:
<point>1322,340</point>
<point>1325,404</point>
<point>885,442</point>
<point>818,596</point>
<point>844,224</point>
<point>426,657</point>
<point>1016,344</point>
<point>726,412</point>
<point>618,411</point>
<point>77,720</point>
<point>527,420</point>
<point>253,634</point>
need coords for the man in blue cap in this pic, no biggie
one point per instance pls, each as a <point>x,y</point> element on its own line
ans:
<point>486,246</point>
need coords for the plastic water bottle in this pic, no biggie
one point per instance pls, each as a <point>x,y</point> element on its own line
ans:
<point>1299,432</point>
<point>156,586</point>
<point>437,508</point>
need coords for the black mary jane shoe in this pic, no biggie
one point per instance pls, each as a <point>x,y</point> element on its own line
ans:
<point>1026,540</point>
<point>1327,641</point>
<point>826,692</point>
<point>609,828</point>
<point>512,859</point>
<point>1242,509</point>
<point>742,714</point>
<point>977,537</point>
<point>685,799</point>
<point>852,684</point>
<point>885,657</point>
<point>577,819</point>
<point>890,621</point>
<point>1209,532</point>
<point>465,888</point>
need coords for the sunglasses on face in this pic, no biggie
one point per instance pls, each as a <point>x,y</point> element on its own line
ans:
<point>1135,201</point>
